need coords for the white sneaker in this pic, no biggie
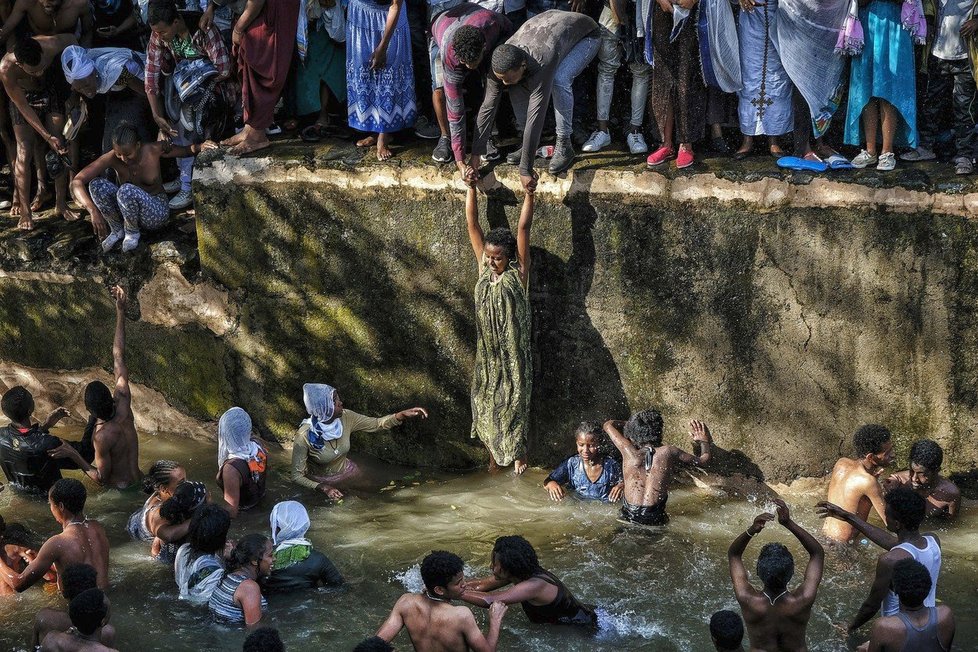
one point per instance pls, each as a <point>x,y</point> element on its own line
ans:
<point>887,162</point>
<point>273,130</point>
<point>130,242</point>
<point>171,187</point>
<point>863,159</point>
<point>636,143</point>
<point>597,142</point>
<point>919,153</point>
<point>181,200</point>
<point>112,239</point>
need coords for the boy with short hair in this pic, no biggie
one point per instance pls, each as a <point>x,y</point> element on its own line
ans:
<point>854,483</point>
<point>647,464</point>
<point>924,476</point>
<point>88,611</point>
<point>76,579</point>
<point>727,631</point>
<point>913,627</point>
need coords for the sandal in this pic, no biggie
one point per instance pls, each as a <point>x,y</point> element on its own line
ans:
<point>314,133</point>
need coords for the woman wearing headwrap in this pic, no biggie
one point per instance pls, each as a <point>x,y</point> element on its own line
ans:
<point>297,565</point>
<point>241,460</point>
<point>319,451</point>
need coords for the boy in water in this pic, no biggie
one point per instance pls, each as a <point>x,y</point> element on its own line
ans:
<point>88,612</point>
<point>854,485</point>
<point>76,579</point>
<point>776,618</point>
<point>924,476</point>
<point>589,473</point>
<point>647,464</point>
<point>727,631</point>
<point>433,622</point>
<point>914,627</point>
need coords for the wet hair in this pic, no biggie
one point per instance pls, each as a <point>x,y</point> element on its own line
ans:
<point>507,57</point>
<point>928,454</point>
<point>775,566</point>
<point>439,567</point>
<point>911,582</point>
<point>645,427</point>
<point>78,578</point>
<point>870,439</point>
<point>99,401</point>
<point>71,493</point>
<point>28,51</point>
<point>88,610</point>
<point>17,404</point>
<point>727,629</point>
<point>592,428</point>
<point>159,475</point>
<point>179,507</point>
<point>208,533</point>
<point>20,535</point>
<point>373,644</point>
<point>469,44</point>
<point>162,11</point>
<point>125,133</point>
<point>264,639</point>
<point>504,239</point>
<point>251,547</point>
<point>907,506</point>
<point>516,556</point>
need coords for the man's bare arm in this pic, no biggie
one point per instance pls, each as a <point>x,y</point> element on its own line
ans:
<point>16,15</point>
<point>394,623</point>
<point>35,570</point>
<point>473,635</point>
<point>735,557</point>
<point>875,494</point>
<point>816,554</point>
<point>700,433</point>
<point>119,345</point>
<point>881,584</point>
<point>883,538</point>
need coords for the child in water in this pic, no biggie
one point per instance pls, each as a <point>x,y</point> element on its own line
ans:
<point>589,473</point>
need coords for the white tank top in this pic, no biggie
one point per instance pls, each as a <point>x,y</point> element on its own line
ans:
<point>930,557</point>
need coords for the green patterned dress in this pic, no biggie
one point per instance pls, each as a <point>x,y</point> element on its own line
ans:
<point>503,376</point>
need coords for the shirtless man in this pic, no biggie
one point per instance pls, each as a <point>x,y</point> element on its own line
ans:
<point>924,476</point>
<point>50,17</point>
<point>116,444</point>
<point>31,75</point>
<point>647,464</point>
<point>89,610</point>
<point>433,623</point>
<point>76,579</point>
<point>82,541</point>
<point>854,483</point>
<point>776,618</point>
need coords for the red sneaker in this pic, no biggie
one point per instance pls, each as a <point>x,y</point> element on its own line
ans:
<point>660,156</point>
<point>685,158</point>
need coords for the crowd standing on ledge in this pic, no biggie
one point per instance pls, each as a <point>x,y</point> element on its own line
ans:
<point>174,77</point>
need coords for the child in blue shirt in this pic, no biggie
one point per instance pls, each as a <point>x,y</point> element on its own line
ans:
<point>590,473</point>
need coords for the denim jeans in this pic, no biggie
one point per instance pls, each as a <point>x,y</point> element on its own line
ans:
<point>563,93</point>
<point>609,60</point>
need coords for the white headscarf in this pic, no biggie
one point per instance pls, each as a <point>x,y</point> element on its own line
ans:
<point>234,437</point>
<point>290,522</point>
<point>79,63</point>
<point>319,404</point>
<point>185,567</point>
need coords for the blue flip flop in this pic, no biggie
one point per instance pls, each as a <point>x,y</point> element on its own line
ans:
<point>839,162</point>
<point>801,164</point>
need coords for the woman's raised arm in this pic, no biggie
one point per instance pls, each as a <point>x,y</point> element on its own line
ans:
<point>472,221</point>
<point>523,237</point>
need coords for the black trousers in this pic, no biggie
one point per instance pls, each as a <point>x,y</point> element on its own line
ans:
<point>950,81</point>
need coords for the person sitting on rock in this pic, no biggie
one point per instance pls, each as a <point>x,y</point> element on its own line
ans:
<point>76,579</point>
<point>924,476</point>
<point>854,484</point>
<point>137,201</point>
<point>88,611</point>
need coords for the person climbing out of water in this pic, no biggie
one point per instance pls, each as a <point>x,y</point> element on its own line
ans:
<point>914,628</point>
<point>111,422</point>
<point>647,463</point>
<point>298,565</point>
<point>242,462</point>
<point>924,476</point>
<point>503,376</point>
<point>237,600</point>
<point>171,522</point>
<point>373,644</point>
<point>76,579</point>
<point>199,565</point>
<point>88,611</point>
<point>544,598</point>
<point>854,485</point>
<point>82,541</point>
<point>776,617</point>
<point>588,473</point>
<point>24,444</point>
<point>432,621</point>
<point>322,442</point>
<point>727,631</point>
<point>904,511</point>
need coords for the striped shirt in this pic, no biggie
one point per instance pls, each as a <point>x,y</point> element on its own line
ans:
<point>222,603</point>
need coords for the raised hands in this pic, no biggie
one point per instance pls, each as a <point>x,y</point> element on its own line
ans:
<point>699,431</point>
<point>759,522</point>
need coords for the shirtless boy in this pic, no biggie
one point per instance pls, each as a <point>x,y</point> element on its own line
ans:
<point>50,17</point>
<point>76,579</point>
<point>432,621</point>
<point>776,618</point>
<point>924,476</point>
<point>116,444</point>
<point>854,484</point>
<point>88,612</point>
<point>82,541</point>
<point>647,464</point>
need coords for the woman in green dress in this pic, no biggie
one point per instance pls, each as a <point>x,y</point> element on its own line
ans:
<point>503,376</point>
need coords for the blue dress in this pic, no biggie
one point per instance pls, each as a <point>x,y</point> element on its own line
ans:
<point>571,472</point>
<point>885,69</point>
<point>378,101</point>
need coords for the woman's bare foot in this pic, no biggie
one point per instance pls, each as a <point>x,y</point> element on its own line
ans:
<point>26,223</point>
<point>369,141</point>
<point>519,466</point>
<point>777,151</point>
<point>15,209</point>
<point>235,139</point>
<point>69,214</point>
<point>40,198</point>
<point>493,467</point>
<point>383,151</point>
<point>252,144</point>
